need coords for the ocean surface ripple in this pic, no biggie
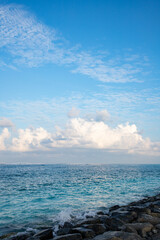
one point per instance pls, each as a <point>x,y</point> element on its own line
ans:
<point>34,195</point>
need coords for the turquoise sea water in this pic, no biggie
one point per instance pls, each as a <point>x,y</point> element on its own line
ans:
<point>34,195</point>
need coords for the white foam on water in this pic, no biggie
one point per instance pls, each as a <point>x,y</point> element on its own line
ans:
<point>70,215</point>
<point>33,230</point>
<point>65,216</point>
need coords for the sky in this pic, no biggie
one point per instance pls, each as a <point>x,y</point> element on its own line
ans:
<point>79,81</point>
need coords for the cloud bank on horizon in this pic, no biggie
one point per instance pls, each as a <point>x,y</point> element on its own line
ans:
<point>80,133</point>
<point>27,42</point>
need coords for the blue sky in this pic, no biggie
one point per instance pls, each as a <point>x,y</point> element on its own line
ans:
<point>80,76</point>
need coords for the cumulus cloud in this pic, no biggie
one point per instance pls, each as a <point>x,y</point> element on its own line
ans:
<point>3,136</point>
<point>92,134</point>
<point>81,133</point>
<point>30,139</point>
<point>74,112</point>
<point>26,41</point>
<point>5,122</point>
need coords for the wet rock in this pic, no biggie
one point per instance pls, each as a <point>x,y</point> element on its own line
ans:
<point>75,236</point>
<point>140,228</point>
<point>20,236</point>
<point>33,238</point>
<point>65,229</point>
<point>103,219</point>
<point>115,207</point>
<point>68,225</point>
<point>118,235</point>
<point>157,197</point>
<point>100,213</point>
<point>44,235</point>
<point>149,218</point>
<point>156,203</point>
<point>88,221</point>
<point>97,228</point>
<point>86,233</point>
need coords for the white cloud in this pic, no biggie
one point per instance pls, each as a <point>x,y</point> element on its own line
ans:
<point>92,134</point>
<point>102,116</point>
<point>124,104</point>
<point>5,122</point>
<point>74,112</point>
<point>30,140</point>
<point>3,136</point>
<point>98,116</point>
<point>26,41</point>
<point>80,133</point>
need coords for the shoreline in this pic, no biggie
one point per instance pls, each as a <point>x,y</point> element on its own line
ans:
<point>135,221</point>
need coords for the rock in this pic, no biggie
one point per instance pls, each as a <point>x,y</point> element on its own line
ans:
<point>144,210</point>
<point>118,235</point>
<point>141,228</point>
<point>114,224</point>
<point>103,219</point>
<point>44,235</point>
<point>156,210</point>
<point>150,234</point>
<point>154,230</point>
<point>65,229</point>
<point>158,226</point>
<point>97,228</point>
<point>20,236</point>
<point>156,203</point>
<point>32,238</point>
<point>156,236</point>
<point>115,207</point>
<point>100,213</point>
<point>157,197</point>
<point>86,233</point>
<point>125,216</point>
<point>75,236</point>
<point>140,209</point>
<point>149,218</point>
<point>6,236</point>
<point>68,225</point>
<point>89,221</point>
<point>147,210</point>
<point>129,229</point>
<point>155,214</point>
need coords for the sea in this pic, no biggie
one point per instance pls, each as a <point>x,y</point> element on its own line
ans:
<point>35,196</point>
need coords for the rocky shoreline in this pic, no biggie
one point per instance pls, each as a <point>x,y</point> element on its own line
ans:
<point>135,221</point>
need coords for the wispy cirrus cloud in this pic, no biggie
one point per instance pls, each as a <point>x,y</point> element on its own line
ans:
<point>111,104</point>
<point>27,42</point>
